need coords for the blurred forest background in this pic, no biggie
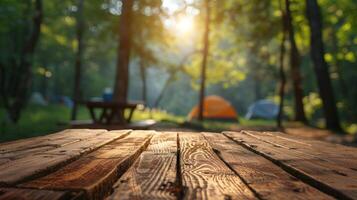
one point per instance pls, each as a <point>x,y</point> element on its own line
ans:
<point>52,52</point>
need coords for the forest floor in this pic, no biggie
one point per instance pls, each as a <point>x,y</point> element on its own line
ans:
<point>39,120</point>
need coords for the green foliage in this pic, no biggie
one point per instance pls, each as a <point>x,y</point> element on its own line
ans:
<point>36,121</point>
<point>312,103</point>
<point>42,120</point>
<point>242,65</point>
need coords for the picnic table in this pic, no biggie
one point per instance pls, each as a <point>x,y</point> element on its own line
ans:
<point>125,164</point>
<point>110,110</point>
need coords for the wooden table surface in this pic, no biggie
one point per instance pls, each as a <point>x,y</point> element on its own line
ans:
<point>100,164</point>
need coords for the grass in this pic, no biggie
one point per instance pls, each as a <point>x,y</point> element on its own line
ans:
<point>218,126</point>
<point>36,121</point>
<point>42,120</point>
<point>158,115</point>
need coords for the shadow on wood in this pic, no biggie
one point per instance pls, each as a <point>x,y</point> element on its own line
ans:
<point>139,125</point>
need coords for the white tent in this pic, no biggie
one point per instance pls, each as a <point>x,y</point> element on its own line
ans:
<point>262,109</point>
<point>37,99</point>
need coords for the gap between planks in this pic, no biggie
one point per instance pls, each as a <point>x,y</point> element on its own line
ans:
<point>204,175</point>
<point>154,173</point>
<point>161,172</point>
<point>265,179</point>
<point>278,185</point>
<point>312,171</point>
<point>96,172</point>
<point>34,166</point>
<point>184,186</point>
<point>322,150</point>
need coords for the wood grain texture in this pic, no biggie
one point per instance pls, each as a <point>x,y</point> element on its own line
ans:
<point>331,154</point>
<point>21,148</point>
<point>204,174</point>
<point>35,165</point>
<point>4,160</point>
<point>18,145</point>
<point>90,164</point>
<point>88,144</point>
<point>332,179</point>
<point>28,194</point>
<point>335,153</point>
<point>96,172</point>
<point>264,178</point>
<point>153,175</point>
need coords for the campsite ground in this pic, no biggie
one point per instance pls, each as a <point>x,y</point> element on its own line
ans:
<point>39,121</point>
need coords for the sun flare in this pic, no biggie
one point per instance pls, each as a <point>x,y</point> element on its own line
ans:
<point>185,25</point>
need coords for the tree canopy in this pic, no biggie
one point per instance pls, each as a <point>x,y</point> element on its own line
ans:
<point>164,42</point>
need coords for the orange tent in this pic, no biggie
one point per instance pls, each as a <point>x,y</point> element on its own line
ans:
<point>215,107</point>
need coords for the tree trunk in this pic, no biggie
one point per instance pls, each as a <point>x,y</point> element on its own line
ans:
<point>257,87</point>
<point>204,62</point>
<point>295,67</point>
<point>144,83</point>
<point>124,47</point>
<point>20,77</point>
<point>321,67</point>
<point>78,62</point>
<point>282,72</point>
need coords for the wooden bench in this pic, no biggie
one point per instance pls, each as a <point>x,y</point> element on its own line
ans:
<point>109,117</point>
<point>110,111</point>
<point>125,164</point>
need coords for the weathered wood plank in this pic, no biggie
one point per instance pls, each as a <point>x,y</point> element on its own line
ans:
<point>28,194</point>
<point>13,155</point>
<point>331,179</point>
<point>311,142</point>
<point>88,144</point>
<point>153,175</point>
<point>264,178</point>
<point>4,160</point>
<point>18,145</point>
<point>204,174</point>
<point>21,148</point>
<point>338,154</point>
<point>22,169</point>
<point>96,172</point>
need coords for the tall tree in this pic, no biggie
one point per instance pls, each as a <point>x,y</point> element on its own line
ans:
<point>204,60</point>
<point>320,65</point>
<point>281,67</point>
<point>295,67</point>
<point>124,48</point>
<point>79,54</point>
<point>143,71</point>
<point>16,76</point>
